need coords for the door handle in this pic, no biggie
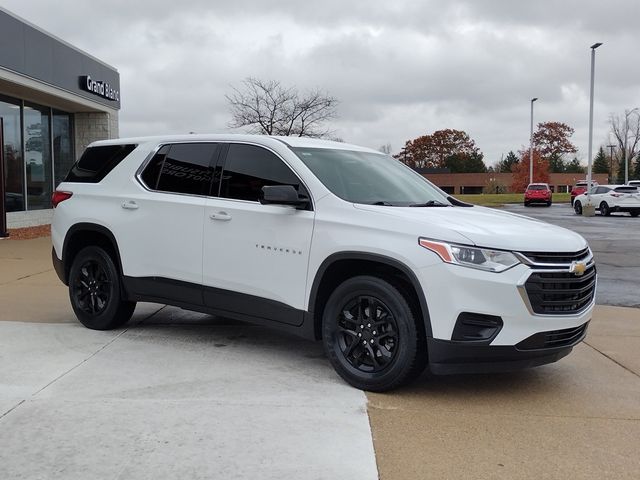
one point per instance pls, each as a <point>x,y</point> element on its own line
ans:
<point>222,216</point>
<point>130,205</point>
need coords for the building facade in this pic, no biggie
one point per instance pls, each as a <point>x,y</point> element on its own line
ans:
<point>54,101</point>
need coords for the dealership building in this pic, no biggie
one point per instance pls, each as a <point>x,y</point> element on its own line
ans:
<point>54,100</point>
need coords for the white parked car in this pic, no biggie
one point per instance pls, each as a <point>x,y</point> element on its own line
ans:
<point>634,183</point>
<point>609,199</point>
<point>330,241</point>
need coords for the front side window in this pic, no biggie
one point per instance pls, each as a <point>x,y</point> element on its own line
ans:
<point>364,177</point>
<point>248,168</point>
<point>185,168</point>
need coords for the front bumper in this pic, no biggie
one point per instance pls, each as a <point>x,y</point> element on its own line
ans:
<point>450,357</point>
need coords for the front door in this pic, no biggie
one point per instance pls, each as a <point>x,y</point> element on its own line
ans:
<point>255,256</point>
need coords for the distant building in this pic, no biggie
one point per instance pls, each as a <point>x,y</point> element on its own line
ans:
<point>474,183</point>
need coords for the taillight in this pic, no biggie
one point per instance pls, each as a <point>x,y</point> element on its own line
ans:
<point>59,196</point>
<point>616,195</point>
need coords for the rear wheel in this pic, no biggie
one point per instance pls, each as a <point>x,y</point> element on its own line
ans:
<point>95,293</point>
<point>549,203</point>
<point>371,336</point>
<point>604,209</point>
<point>526,204</point>
<point>634,213</point>
<point>577,207</point>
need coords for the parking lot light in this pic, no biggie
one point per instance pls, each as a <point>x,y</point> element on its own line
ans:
<point>531,144</point>
<point>590,211</point>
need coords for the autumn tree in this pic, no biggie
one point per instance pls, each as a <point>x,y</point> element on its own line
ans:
<point>431,151</point>
<point>625,130</point>
<point>521,171</point>
<point>600,162</point>
<point>269,108</point>
<point>552,140</point>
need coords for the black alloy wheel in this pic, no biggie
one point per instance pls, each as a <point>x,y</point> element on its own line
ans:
<point>604,209</point>
<point>95,291</point>
<point>371,334</point>
<point>367,334</point>
<point>577,207</point>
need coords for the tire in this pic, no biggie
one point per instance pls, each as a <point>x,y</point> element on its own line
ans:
<point>396,350</point>
<point>577,207</point>
<point>95,291</point>
<point>526,204</point>
<point>548,203</point>
<point>572,200</point>
<point>604,209</point>
<point>634,213</point>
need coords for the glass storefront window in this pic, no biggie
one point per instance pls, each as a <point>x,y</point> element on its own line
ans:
<point>62,148</point>
<point>14,167</point>
<point>37,153</point>
<point>30,132</point>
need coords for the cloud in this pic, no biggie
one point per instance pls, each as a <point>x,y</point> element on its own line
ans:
<point>400,69</point>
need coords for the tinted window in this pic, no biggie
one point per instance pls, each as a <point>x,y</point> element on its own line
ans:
<point>249,168</point>
<point>537,187</point>
<point>629,189</point>
<point>97,162</point>
<point>187,168</point>
<point>151,172</point>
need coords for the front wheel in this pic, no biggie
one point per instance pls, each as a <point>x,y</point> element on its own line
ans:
<point>95,293</point>
<point>604,209</point>
<point>371,335</point>
<point>577,207</point>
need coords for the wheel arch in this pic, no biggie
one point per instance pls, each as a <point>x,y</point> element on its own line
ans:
<point>338,267</point>
<point>83,235</point>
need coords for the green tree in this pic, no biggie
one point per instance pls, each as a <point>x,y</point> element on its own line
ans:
<point>600,163</point>
<point>465,163</point>
<point>574,166</point>
<point>505,165</point>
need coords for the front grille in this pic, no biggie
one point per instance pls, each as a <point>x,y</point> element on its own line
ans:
<point>556,257</point>
<point>554,339</point>
<point>560,293</point>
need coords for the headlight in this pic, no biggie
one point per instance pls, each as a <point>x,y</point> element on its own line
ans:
<point>480,258</point>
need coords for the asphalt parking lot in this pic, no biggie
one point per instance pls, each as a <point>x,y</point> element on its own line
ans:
<point>615,242</point>
<point>184,395</point>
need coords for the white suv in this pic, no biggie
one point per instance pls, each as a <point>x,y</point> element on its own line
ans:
<point>609,199</point>
<point>331,241</point>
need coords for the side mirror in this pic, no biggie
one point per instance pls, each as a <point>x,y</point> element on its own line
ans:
<point>282,195</point>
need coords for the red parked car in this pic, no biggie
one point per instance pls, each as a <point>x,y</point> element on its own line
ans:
<point>537,193</point>
<point>580,188</point>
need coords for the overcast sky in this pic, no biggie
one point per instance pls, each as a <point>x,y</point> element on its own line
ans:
<point>400,69</point>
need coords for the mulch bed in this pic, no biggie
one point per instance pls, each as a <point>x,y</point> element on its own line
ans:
<point>29,232</point>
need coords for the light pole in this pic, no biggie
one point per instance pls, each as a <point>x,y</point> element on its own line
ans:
<point>531,144</point>
<point>611,147</point>
<point>593,69</point>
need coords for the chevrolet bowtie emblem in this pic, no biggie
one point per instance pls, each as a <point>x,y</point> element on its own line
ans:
<point>577,268</point>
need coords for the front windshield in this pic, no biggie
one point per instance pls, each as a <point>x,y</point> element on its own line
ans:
<point>377,179</point>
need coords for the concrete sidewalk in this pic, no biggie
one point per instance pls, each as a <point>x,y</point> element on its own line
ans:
<point>174,395</point>
<point>179,394</point>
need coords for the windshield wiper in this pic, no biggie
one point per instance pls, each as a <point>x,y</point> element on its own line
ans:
<point>382,202</point>
<point>430,203</point>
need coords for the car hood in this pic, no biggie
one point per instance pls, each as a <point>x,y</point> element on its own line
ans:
<point>487,227</point>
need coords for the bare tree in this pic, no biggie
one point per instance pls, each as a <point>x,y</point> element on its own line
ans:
<point>626,132</point>
<point>269,108</point>
<point>386,148</point>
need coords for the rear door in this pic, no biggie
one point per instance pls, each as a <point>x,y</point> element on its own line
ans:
<point>255,256</point>
<point>160,231</point>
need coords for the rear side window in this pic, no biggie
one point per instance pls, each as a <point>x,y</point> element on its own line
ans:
<point>629,189</point>
<point>182,168</point>
<point>97,162</point>
<point>248,168</point>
